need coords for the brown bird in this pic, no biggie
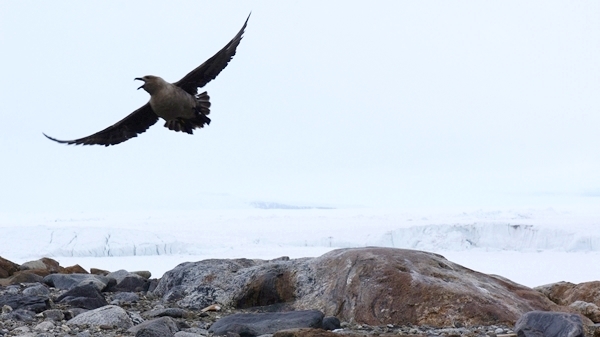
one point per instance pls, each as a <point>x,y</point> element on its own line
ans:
<point>179,103</point>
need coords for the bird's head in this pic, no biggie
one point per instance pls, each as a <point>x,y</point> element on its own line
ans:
<point>151,83</point>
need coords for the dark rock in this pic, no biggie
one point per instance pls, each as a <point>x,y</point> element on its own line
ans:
<point>85,296</point>
<point>171,312</point>
<point>331,323</point>
<point>248,325</point>
<point>7,268</point>
<point>549,324</point>
<point>27,276</point>
<point>36,290</point>
<point>273,287</point>
<point>67,281</point>
<point>130,284</point>
<point>72,312</point>
<point>110,315</point>
<point>160,327</point>
<point>18,301</point>
<point>127,281</point>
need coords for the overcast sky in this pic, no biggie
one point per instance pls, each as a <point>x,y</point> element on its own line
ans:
<point>403,104</point>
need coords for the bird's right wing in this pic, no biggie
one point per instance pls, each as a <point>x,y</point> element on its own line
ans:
<point>208,70</point>
<point>137,122</point>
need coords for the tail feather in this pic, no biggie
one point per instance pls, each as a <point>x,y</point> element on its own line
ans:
<point>188,125</point>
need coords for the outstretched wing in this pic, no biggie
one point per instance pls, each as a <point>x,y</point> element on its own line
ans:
<point>137,122</point>
<point>208,70</point>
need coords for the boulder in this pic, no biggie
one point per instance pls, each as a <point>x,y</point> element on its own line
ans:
<point>549,324</point>
<point>7,268</point>
<point>159,327</point>
<point>125,298</point>
<point>565,293</point>
<point>171,312</point>
<point>85,296</point>
<point>589,310</point>
<point>36,290</point>
<point>52,266</point>
<point>26,276</point>
<point>67,281</point>
<point>75,269</point>
<point>110,315</point>
<point>364,285</point>
<point>19,301</point>
<point>97,271</point>
<point>331,323</point>
<point>127,281</point>
<point>256,324</point>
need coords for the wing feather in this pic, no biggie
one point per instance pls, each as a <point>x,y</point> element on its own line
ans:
<point>135,123</point>
<point>209,70</point>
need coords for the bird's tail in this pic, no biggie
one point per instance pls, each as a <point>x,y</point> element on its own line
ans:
<point>188,125</point>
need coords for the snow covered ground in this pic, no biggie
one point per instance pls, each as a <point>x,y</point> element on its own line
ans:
<point>531,247</point>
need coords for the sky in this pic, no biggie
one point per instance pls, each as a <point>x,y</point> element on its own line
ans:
<point>400,104</point>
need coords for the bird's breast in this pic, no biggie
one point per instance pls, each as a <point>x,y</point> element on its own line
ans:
<point>172,104</point>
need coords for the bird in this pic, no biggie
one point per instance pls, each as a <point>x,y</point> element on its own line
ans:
<point>178,103</point>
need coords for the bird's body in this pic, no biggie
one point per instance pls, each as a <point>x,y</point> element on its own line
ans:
<point>179,103</point>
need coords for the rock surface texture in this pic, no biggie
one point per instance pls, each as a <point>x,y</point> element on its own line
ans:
<point>549,324</point>
<point>364,285</point>
<point>354,292</point>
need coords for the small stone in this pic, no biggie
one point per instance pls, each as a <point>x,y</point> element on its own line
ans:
<point>44,326</point>
<point>498,331</point>
<point>6,309</point>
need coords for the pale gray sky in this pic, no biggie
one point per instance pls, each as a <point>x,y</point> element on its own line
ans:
<point>390,103</point>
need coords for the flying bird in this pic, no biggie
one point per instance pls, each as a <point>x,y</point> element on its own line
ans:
<point>179,103</point>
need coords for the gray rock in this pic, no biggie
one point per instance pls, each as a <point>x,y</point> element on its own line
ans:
<point>127,282</point>
<point>68,281</point>
<point>549,324</point>
<point>171,312</point>
<point>265,323</point>
<point>331,323</point>
<point>20,315</point>
<point>36,290</point>
<point>110,315</point>
<point>125,297</point>
<point>54,315</point>
<point>159,327</point>
<point>44,326</point>
<point>143,273</point>
<point>83,296</point>
<point>19,301</point>
<point>186,334</point>
<point>29,265</point>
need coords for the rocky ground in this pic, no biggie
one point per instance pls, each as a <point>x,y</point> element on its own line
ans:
<point>405,293</point>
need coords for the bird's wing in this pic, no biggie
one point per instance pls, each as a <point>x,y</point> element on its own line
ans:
<point>208,70</point>
<point>137,122</point>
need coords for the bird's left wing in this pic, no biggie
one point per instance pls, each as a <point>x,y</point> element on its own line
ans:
<point>208,70</point>
<point>137,122</point>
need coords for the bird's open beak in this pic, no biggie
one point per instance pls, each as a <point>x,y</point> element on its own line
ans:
<point>140,79</point>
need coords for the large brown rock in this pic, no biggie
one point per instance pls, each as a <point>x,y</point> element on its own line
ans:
<point>565,293</point>
<point>7,268</point>
<point>364,285</point>
<point>383,285</point>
